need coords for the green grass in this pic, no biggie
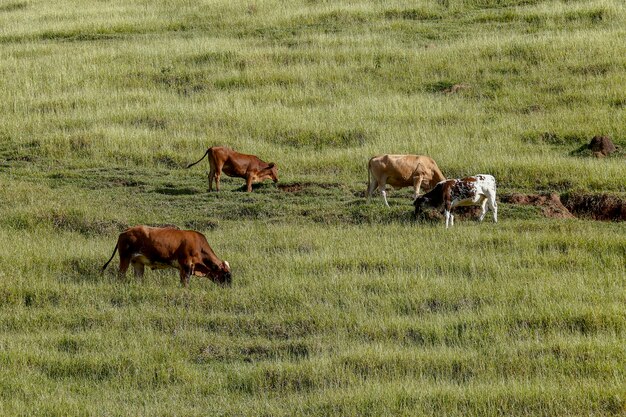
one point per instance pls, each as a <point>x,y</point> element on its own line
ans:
<point>338,307</point>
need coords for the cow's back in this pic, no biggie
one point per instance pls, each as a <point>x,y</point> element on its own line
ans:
<point>219,154</point>
<point>400,170</point>
<point>153,242</point>
<point>397,169</point>
<point>233,163</point>
<point>486,183</point>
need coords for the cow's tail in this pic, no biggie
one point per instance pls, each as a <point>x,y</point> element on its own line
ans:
<point>110,259</point>
<point>203,156</point>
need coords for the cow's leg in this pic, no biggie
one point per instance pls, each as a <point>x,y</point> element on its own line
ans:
<point>217,173</point>
<point>417,183</point>
<point>249,183</point>
<point>382,185</point>
<point>493,205</point>
<point>371,187</point>
<point>138,267</point>
<point>447,207</point>
<point>124,264</point>
<point>186,271</point>
<point>211,176</point>
<point>483,206</point>
<point>384,193</point>
<point>217,180</point>
<point>184,276</point>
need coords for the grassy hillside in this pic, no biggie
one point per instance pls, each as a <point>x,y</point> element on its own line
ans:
<point>338,307</point>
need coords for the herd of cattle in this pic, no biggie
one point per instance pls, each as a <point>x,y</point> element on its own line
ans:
<point>190,253</point>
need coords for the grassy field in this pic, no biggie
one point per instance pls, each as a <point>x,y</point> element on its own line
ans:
<point>338,307</point>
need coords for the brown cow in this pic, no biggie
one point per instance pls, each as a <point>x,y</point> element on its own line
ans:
<point>402,171</point>
<point>235,164</point>
<point>167,247</point>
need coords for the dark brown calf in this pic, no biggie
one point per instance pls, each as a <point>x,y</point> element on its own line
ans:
<point>159,248</point>
<point>235,164</point>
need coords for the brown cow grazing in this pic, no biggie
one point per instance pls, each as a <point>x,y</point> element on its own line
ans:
<point>159,248</point>
<point>235,164</point>
<point>479,190</point>
<point>402,171</point>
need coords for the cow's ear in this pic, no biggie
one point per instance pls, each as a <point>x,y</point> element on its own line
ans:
<point>271,165</point>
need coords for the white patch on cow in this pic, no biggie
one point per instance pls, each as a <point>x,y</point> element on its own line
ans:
<point>384,193</point>
<point>449,218</point>
<point>227,264</point>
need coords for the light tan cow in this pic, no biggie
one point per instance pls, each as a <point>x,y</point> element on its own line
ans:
<point>402,171</point>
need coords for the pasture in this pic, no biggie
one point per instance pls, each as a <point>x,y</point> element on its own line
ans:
<point>337,307</point>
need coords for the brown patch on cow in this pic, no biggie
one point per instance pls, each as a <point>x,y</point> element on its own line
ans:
<point>551,205</point>
<point>601,146</point>
<point>456,88</point>
<point>605,207</point>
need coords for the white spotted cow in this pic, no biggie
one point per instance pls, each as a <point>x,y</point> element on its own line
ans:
<point>479,190</point>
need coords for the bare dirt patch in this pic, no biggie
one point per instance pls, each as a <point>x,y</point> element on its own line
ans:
<point>293,187</point>
<point>606,207</point>
<point>550,203</point>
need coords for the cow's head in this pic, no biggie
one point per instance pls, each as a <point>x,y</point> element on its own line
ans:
<point>420,203</point>
<point>432,198</point>
<point>223,275</point>
<point>218,273</point>
<point>270,172</point>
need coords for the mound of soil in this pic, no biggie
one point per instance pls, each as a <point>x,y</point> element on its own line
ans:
<point>596,206</point>
<point>601,146</point>
<point>550,204</point>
